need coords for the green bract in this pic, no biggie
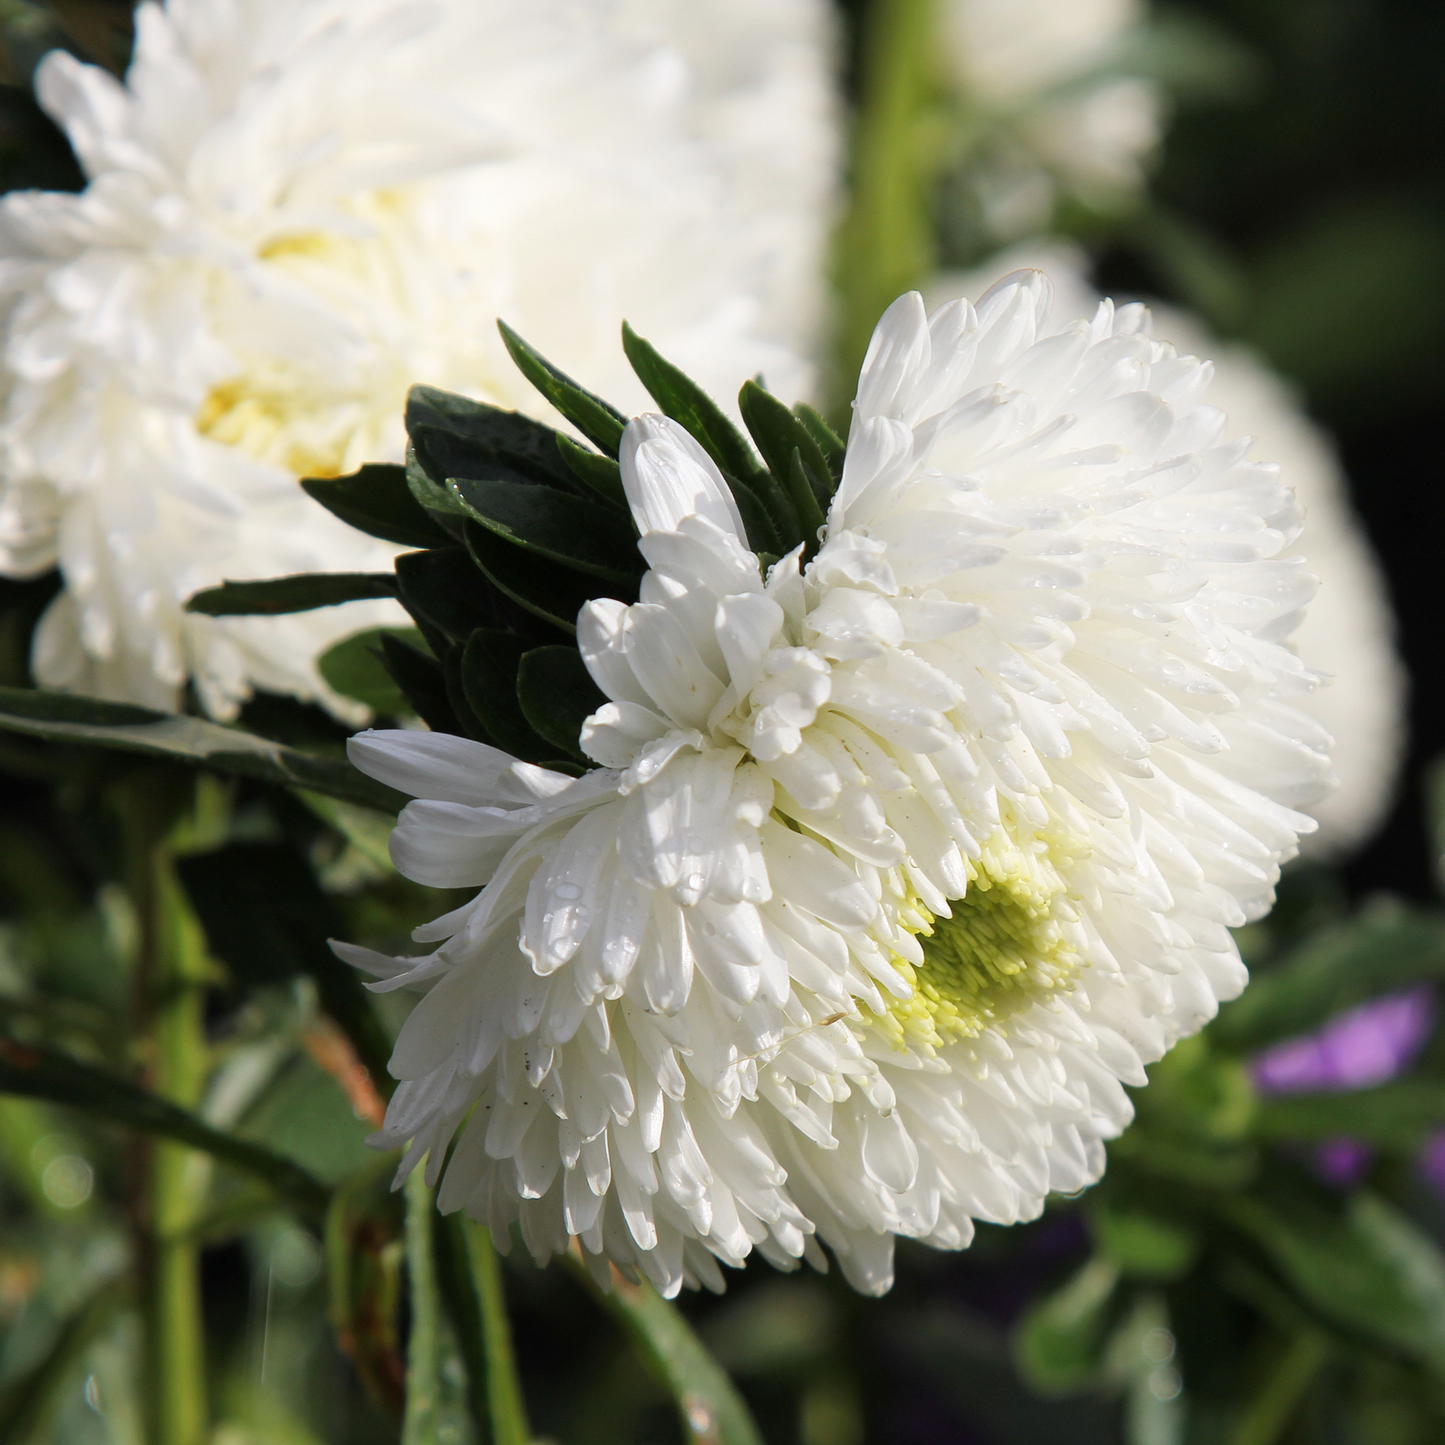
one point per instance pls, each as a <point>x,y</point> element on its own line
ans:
<point>517,527</point>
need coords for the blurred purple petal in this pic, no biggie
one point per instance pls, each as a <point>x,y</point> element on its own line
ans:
<point>1343,1162</point>
<point>1368,1045</point>
<point>1431,1162</point>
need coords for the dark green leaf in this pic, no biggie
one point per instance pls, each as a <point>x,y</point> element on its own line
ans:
<point>444,455</point>
<point>67,718</point>
<point>685,401</point>
<point>1356,1261</point>
<point>489,681</point>
<point>1399,1115</point>
<point>266,919</point>
<point>558,695</point>
<point>570,530</point>
<point>600,473</point>
<point>434,498</point>
<point>487,431</point>
<point>471,722</point>
<point>1142,1243</point>
<point>829,442</point>
<point>779,434</point>
<point>549,590</point>
<point>419,675</point>
<point>445,593</point>
<point>1060,1342</point>
<point>1385,946</point>
<point>600,423</point>
<point>709,1404</point>
<point>302,592</point>
<point>36,1072</point>
<point>376,500</point>
<point>354,668</point>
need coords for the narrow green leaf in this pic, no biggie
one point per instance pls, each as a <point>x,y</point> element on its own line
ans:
<point>833,447</point>
<point>376,500</point>
<point>419,675</point>
<point>558,695</point>
<point>600,423</point>
<point>421,1423</point>
<point>508,436</point>
<point>489,681</point>
<point>354,668</point>
<point>584,535</point>
<point>28,1403</point>
<point>444,454</point>
<point>67,718</point>
<point>1384,947</point>
<point>685,401</point>
<point>711,1410</point>
<point>1059,1343</point>
<point>267,920</point>
<point>779,434</point>
<point>303,592</point>
<point>805,503</point>
<point>1357,1262</point>
<point>1399,1115</point>
<point>600,473</point>
<point>37,1072</point>
<point>550,590</point>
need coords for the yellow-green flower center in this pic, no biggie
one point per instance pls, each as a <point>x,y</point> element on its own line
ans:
<point>1005,947</point>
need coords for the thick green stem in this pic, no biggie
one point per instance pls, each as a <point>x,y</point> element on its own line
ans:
<point>170,976</point>
<point>886,242</point>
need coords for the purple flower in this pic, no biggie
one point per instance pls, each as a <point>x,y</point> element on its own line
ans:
<point>1344,1162</point>
<point>1365,1046</point>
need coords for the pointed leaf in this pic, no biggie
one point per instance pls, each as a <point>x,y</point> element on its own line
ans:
<point>558,695</point>
<point>600,473</point>
<point>354,668</point>
<point>833,447</point>
<point>67,718</point>
<point>376,500</point>
<point>599,422</point>
<point>419,675</point>
<point>489,680</point>
<point>582,534</point>
<point>434,498</point>
<point>549,590</point>
<point>685,401</point>
<point>302,592</point>
<point>779,434</point>
<point>529,445</point>
<point>443,455</point>
<point>445,593</point>
<point>36,1072</point>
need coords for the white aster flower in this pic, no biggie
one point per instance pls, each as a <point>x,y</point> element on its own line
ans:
<point>1348,632</point>
<point>897,866</point>
<point>1037,70</point>
<point>296,209</point>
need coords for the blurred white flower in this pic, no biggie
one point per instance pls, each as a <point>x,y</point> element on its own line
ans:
<point>298,207</point>
<point>897,866</point>
<point>1348,633</point>
<point>1033,77</point>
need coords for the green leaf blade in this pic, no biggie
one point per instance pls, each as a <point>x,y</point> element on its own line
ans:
<point>557,695</point>
<point>302,592</point>
<point>600,423</point>
<point>376,500</point>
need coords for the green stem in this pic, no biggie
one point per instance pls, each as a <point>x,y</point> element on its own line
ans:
<point>170,976</point>
<point>422,1418</point>
<point>711,1410</point>
<point>1277,1399</point>
<point>506,1407</point>
<point>886,241</point>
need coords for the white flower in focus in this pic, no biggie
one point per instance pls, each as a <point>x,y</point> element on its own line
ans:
<point>897,866</point>
<point>1033,69</point>
<point>296,209</point>
<point>1348,632</point>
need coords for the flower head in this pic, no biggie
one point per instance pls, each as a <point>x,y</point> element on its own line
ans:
<point>898,864</point>
<point>294,209</point>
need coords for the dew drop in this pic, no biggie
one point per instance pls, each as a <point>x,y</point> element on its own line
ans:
<point>567,891</point>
